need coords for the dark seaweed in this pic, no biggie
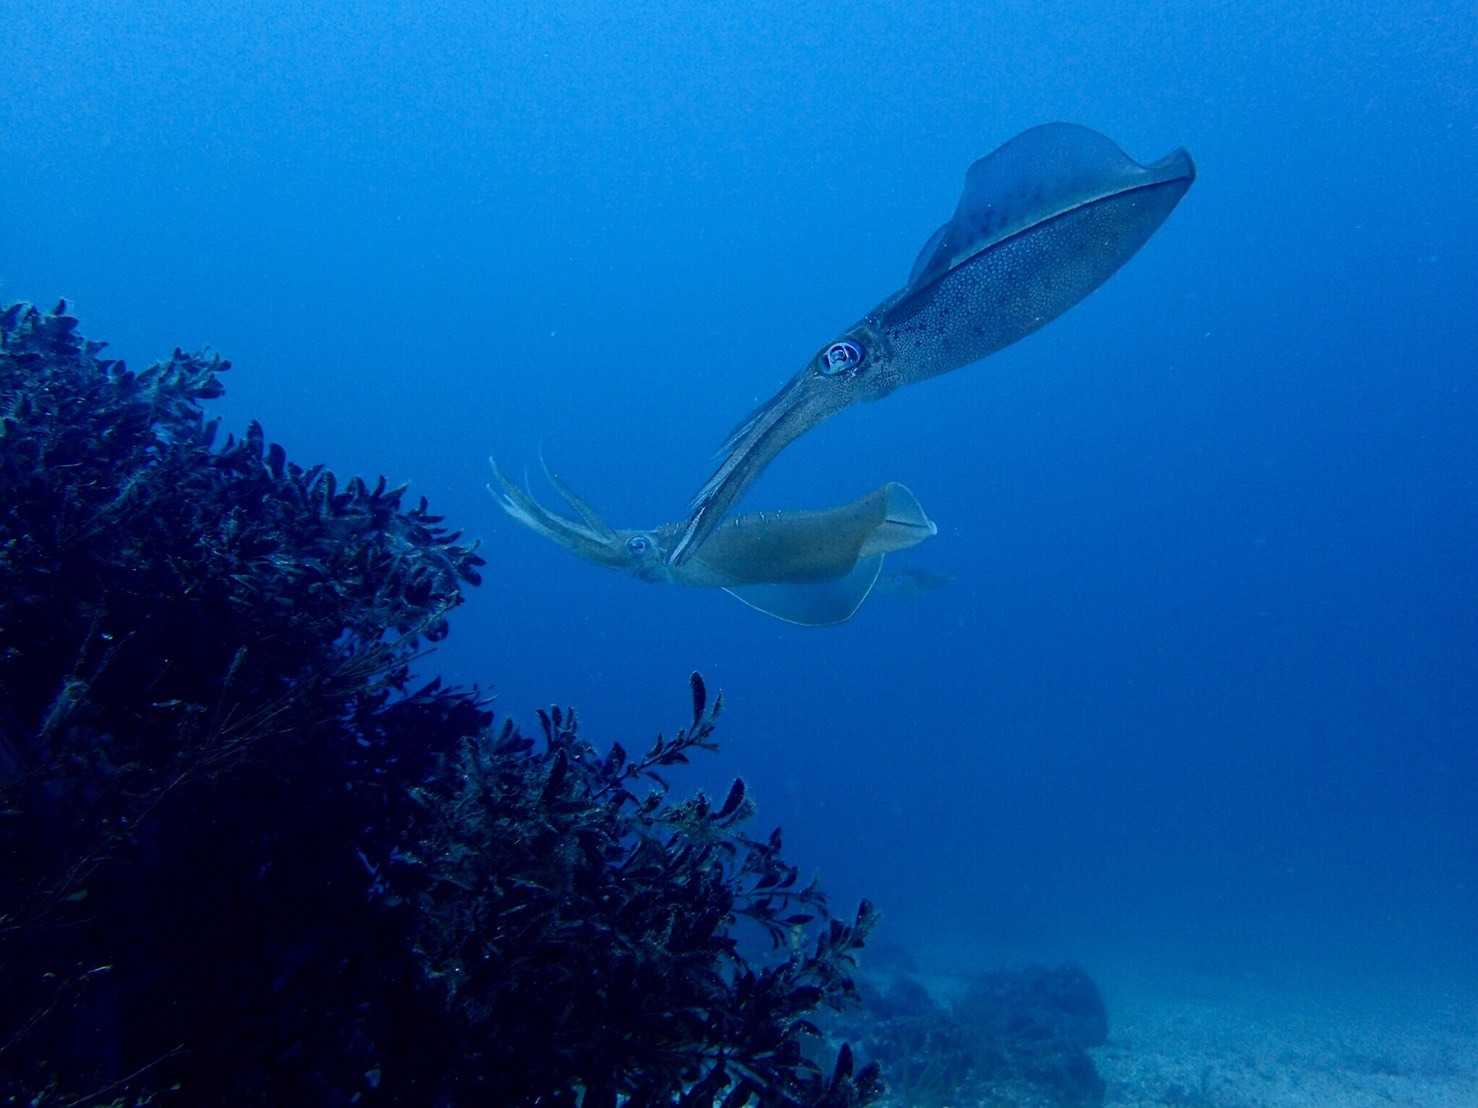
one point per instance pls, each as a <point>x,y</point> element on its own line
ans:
<point>601,915</point>
<point>244,859</point>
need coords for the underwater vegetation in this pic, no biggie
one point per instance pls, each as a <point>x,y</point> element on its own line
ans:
<point>246,858</point>
<point>627,900</point>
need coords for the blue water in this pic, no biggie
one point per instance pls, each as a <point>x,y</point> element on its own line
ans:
<point>1206,686</point>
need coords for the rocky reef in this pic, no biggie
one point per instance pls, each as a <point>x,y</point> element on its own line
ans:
<point>1006,1039</point>
<point>246,858</point>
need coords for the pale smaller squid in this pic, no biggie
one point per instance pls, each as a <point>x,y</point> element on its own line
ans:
<point>913,582</point>
<point>807,567</point>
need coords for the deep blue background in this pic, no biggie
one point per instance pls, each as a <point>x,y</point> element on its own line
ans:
<point>1206,688</point>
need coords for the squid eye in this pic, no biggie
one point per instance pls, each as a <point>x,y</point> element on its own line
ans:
<point>841,358</point>
<point>638,546</point>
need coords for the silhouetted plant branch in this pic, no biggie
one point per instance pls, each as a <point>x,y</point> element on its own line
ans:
<point>552,886</point>
<point>243,858</point>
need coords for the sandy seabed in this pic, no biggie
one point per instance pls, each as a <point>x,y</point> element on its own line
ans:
<point>1208,1042</point>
